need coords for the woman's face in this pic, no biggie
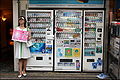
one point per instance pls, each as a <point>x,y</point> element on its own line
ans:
<point>21,21</point>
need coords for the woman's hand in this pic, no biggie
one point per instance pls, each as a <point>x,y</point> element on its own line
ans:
<point>29,38</point>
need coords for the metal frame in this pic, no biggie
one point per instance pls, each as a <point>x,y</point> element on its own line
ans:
<point>115,73</point>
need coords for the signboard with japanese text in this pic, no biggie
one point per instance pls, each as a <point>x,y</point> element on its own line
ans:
<point>19,35</point>
<point>67,3</point>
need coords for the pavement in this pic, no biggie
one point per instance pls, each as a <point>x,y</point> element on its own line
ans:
<point>50,76</point>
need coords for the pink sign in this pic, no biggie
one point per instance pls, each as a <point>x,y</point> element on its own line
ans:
<point>19,35</point>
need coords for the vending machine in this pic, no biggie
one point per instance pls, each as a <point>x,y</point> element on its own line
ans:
<point>78,41</point>
<point>93,40</point>
<point>40,23</point>
<point>68,40</point>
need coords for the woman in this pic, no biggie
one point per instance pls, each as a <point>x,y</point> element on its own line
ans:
<point>22,51</point>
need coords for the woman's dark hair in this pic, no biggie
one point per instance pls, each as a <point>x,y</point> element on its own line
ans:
<point>23,18</point>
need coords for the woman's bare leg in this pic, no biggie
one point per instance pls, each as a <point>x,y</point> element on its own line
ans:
<point>20,66</point>
<point>24,66</point>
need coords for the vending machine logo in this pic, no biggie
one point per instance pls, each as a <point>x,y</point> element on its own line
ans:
<point>89,52</point>
<point>99,49</point>
<point>66,42</point>
<point>37,47</point>
<point>60,52</point>
<point>77,65</point>
<point>83,1</point>
<point>94,65</point>
<point>48,49</point>
<point>99,61</point>
<point>76,52</point>
<point>97,64</point>
<point>68,52</point>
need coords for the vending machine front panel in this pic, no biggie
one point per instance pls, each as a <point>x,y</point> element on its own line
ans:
<point>93,40</point>
<point>68,40</point>
<point>40,23</point>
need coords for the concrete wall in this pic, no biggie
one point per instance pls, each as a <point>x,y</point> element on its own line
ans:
<point>15,22</point>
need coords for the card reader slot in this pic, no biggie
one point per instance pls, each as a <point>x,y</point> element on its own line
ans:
<point>66,60</point>
<point>39,58</point>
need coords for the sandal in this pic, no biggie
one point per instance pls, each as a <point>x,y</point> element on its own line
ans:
<point>24,74</point>
<point>19,76</point>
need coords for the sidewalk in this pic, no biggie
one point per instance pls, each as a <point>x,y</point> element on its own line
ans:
<point>50,76</point>
<point>7,73</point>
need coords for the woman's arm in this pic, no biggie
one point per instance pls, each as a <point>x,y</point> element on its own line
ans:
<point>29,34</point>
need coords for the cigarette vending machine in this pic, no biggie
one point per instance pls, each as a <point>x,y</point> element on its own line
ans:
<point>93,40</point>
<point>76,31</point>
<point>40,22</point>
<point>68,40</point>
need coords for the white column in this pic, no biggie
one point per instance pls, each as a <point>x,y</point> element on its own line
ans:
<point>15,23</point>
